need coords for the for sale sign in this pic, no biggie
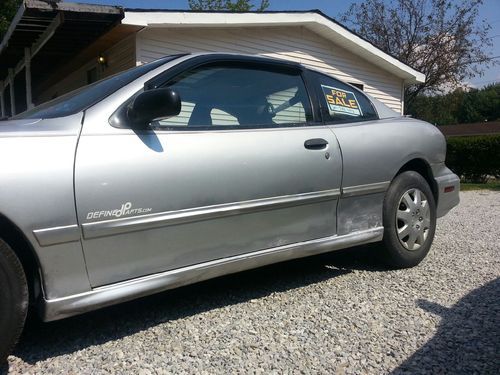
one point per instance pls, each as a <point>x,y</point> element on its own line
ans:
<point>341,102</point>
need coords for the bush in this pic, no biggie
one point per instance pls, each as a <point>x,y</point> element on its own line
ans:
<point>474,159</point>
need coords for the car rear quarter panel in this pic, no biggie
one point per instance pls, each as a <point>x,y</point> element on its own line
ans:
<point>373,152</point>
<point>36,193</point>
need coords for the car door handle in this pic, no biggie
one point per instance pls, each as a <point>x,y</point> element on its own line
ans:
<point>315,144</point>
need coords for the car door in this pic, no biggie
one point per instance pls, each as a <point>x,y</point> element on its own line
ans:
<point>242,168</point>
<point>368,166</point>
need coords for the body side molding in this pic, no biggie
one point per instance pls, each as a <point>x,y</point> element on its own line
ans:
<point>57,235</point>
<point>378,187</point>
<point>120,292</point>
<point>70,233</point>
<point>150,221</point>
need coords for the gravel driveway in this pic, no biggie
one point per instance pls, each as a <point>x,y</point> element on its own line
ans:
<point>335,313</point>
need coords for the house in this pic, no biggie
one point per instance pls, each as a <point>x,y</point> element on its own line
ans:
<point>53,48</point>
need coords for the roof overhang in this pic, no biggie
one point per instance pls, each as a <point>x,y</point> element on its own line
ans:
<point>314,20</point>
<point>53,33</point>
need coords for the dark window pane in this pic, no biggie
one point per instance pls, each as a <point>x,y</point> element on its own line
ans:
<point>92,75</point>
<point>238,96</point>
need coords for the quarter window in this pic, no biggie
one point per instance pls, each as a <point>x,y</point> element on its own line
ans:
<point>222,96</point>
<point>343,103</point>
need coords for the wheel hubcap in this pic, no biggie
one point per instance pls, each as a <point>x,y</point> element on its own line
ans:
<point>413,219</point>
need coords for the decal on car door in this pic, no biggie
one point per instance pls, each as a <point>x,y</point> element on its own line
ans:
<point>125,210</point>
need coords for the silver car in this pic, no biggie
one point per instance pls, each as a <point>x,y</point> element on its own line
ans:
<point>200,165</point>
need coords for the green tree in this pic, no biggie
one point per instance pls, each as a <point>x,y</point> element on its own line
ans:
<point>8,9</point>
<point>458,107</point>
<point>234,6</point>
<point>444,39</point>
<point>488,102</point>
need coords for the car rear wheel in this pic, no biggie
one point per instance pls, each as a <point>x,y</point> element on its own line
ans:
<point>409,220</point>
<point>13,300</point>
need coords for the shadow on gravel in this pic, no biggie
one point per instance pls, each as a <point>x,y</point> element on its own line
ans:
<point>45,340</point>
<point>468,338</point>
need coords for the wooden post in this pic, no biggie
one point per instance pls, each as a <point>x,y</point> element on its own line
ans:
<point>2,104</point>
<point>27,69</point>
<point>12,94</point>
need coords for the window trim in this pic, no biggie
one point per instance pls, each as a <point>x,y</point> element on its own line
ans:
<point>323,110</point>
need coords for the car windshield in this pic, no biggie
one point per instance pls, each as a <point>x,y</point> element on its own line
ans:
<point>82,98</point>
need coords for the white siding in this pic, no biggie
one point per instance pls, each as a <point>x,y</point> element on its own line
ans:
<point>292,43</point>
<point>120,57</point>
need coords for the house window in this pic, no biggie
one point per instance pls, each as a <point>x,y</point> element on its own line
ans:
<point>92,75</point>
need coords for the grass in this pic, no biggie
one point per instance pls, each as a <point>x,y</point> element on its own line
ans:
<point>487,186</point>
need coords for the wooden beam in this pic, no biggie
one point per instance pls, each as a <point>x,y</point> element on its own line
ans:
<point>27,62</point>
<point>47,34</point>
<point>12,93</point>
<point>2,104</point>
<point>13,24</point>
<point>40,42</point>
<point>73,7</point>
<point>19,66</point>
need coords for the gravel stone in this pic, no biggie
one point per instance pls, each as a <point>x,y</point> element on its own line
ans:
<point>338,313</point>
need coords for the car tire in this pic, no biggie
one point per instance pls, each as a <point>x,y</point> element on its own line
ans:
<point>409,217</point>
<point>13,300</point>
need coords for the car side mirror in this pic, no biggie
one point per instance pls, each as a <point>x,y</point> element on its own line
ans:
<point>153,105</point>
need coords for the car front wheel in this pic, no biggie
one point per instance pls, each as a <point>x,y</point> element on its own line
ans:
<point>13,300</point>
<point>409,220</point>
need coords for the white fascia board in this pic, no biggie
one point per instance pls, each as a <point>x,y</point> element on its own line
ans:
<point>312,20</point>
<point>209,19</point>
<point>367,50</point>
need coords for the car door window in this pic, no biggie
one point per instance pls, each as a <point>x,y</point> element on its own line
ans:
<point>286,108</point>
<point>182,119</point>
<point>215,96</point>
<point>342,103</point>
<point>221,118</point>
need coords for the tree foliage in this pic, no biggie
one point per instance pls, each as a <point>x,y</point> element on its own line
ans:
<point>234,6</point>
<point>8,9</point>
<point>444,39</point>
<point>458,107</point>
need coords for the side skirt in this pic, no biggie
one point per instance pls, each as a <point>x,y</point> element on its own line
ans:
<point>100,297</point>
